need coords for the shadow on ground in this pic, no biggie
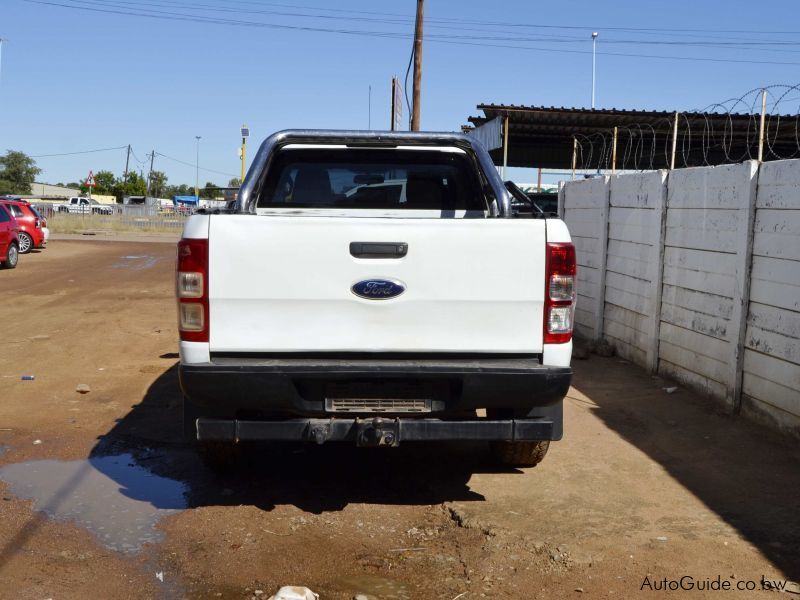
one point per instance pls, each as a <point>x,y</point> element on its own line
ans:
<point>747,474</point>
<point>312,478</point>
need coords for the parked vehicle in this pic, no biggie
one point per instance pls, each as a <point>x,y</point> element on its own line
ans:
<point>310,313</point>
<point>545,204</point>
<point>9,241</point>
<point>79,204</point>
<point>32,232</point>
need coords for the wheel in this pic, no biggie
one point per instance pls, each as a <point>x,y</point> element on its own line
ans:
<point>25,243</point>
<point>520,454</point>
<point>12,256</point>
<point>220,457</point>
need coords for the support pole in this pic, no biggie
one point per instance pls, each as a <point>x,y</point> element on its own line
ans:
<point>244,156</point>
<point>391,118</point>
<point>574,155</point>
<point>197,172</point>
<point>150,174</point>
<point>761,126</point>
<point>614,153</point>
<point>539,181</point>
<point>505,146</point>
<point>125,176</point>
<point>674,142</point>
<point>415,108</point>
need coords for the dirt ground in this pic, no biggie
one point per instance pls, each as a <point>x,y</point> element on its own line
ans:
<point>645,486</point>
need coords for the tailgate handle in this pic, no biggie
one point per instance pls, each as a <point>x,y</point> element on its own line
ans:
<point>378,249</point>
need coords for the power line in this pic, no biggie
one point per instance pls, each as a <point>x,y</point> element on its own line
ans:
<point>80,152</point>
<point>446,24</point>
<point>409,18</point>
<point>122,9</point>
<point>189,164</point>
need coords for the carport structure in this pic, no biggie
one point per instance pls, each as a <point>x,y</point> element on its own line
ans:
<point>580,138</point>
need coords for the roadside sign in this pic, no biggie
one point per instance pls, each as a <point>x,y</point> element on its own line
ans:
<point>490,133</point>
<point>397,105</point>
<point>90,180</point>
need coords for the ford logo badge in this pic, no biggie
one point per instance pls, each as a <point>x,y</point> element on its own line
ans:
<point>378,289</point>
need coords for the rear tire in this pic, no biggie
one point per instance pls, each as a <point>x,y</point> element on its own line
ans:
<point>12,256</point>
<point>25,242</point>
<point>220,457</point>
<point>520,454</point>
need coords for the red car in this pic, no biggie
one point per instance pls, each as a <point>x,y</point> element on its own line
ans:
<point>32,231</point>
<point>9,242</point>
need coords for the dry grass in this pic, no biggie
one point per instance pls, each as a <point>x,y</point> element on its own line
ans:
<point>72,223</point>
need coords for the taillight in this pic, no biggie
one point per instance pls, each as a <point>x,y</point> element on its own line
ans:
<point>559,293</point>
<point>191,288</point>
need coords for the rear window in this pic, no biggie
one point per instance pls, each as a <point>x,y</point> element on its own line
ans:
<point>15,210</point>
<point>380,179</point>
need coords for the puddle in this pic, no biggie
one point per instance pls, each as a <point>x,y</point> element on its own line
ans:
<point>372,586</point>
<point>135,263</point>
<point>113,497</point>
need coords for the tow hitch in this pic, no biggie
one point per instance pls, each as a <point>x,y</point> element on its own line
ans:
<point>377,432</point>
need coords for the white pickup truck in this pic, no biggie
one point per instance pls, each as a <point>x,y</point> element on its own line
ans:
<point>79,204</point>
<point>376,288</point>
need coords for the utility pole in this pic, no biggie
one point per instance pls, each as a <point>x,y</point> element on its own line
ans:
<point>369,108</point>
<point>594,48</point>
<point>245,133</point>
<point>415,107</point>
<point>150,174</point>
<point>197,172</point>
<point>125,177</point>
<point>1,54</point>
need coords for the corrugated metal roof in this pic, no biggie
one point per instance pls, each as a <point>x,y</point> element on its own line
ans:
<point>541,136</point>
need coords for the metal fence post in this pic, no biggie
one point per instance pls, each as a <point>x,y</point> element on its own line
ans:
<point>674,142</point>
<point>614,153</point>
<point>574,155</point>
<point>761,125</point>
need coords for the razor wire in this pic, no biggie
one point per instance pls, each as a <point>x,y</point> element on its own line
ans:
<point>724,132</point>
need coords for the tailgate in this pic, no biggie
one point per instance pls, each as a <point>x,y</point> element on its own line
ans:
<point>284,284</point>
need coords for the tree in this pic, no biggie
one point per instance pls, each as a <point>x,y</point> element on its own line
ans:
<point>158,180</point>
<point>235,183</point>
<point>17,172</point>
<point>209,191</point>
<point>134,186</point>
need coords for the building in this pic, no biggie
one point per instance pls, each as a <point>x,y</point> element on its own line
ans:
<point>45,192</point>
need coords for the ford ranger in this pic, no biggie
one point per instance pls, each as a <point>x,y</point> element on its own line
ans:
<point>376,288</point>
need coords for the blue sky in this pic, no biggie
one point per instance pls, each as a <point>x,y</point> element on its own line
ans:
<point>76,80</point>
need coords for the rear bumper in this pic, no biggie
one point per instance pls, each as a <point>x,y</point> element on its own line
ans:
<point>226,387</point>
<point>381,431</point>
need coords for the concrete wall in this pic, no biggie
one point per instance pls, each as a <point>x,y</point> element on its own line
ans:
<point>696,275</point>
<point>705,256</point>
<point>632,259</point>
<point>771,381</point>
<point>585,210</point>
